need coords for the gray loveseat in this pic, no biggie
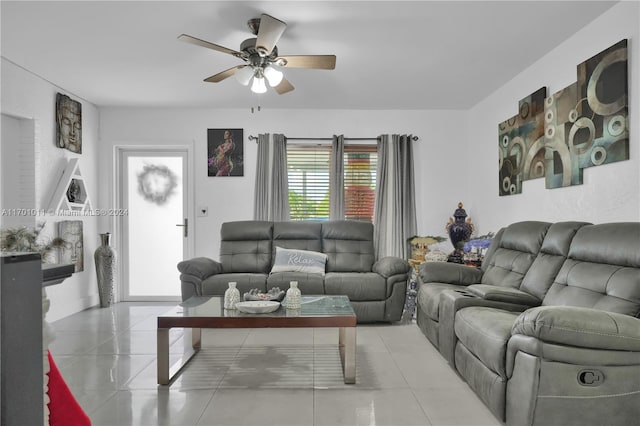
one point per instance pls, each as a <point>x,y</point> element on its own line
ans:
<point>376,288</point>
<point>547,332</point>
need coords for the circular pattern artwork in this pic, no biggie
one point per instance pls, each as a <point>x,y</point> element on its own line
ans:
<point>582,125</point>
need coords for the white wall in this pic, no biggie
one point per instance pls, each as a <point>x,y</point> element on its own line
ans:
<point>18,166</point>
<point>610,192</point>
<point>27,96</point>
<point>439,169</point>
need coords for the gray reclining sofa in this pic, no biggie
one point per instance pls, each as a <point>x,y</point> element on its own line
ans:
<point>376,288</point>
<point>547,332</point>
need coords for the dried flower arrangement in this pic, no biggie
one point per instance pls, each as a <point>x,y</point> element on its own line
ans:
<point>24,239</point>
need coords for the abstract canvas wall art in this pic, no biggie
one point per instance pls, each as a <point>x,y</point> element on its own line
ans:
<point>585,124</point>
<point>521,144</point>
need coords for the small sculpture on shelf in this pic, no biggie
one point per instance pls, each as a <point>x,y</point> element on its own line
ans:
<point>73,192</point>
<point>459,231</point>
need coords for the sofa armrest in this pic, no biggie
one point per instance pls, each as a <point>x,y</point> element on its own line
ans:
<point>389,266</point>
<point>503,294</point>
<point>200,267</point>
<point>580,327</point>
<point>449,273</point>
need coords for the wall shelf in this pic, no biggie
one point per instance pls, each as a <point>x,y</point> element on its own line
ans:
<point>71,191</point>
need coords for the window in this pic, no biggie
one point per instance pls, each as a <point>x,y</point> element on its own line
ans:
<point>308,178</point>
<point>308,172</point>
<point>360,163</point>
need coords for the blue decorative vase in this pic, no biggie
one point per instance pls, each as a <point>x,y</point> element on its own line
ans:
<point>459,229</point>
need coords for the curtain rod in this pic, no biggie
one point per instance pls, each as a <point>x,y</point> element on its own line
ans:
<point>251,138</point>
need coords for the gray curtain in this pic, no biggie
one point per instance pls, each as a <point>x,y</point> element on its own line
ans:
<point>395,210</point>
<point>404,195</point>
<point>261,196</point>
<point>279,184</point>
<point>380,217</point>
<point>336,179</point>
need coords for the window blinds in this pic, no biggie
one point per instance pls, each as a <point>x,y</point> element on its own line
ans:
<point>308,178</point>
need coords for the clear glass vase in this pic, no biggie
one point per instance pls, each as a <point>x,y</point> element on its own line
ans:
<point>294,296</point>
<point>231,296</point>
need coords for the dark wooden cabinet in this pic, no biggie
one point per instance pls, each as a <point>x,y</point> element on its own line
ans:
<point>21,394</point>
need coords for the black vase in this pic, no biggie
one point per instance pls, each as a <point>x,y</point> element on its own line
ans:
<point>459,230</point>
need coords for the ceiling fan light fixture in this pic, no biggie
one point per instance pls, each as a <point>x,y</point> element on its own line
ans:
<point>274,76</point>
<point>260,57</point>
<point>258,85</point>
<point>281,62</point>
<point>244,75</point>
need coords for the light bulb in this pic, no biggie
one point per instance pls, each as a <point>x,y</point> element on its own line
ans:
<point>274,76</point>
<point>258,85</point>
<point>244,75</point>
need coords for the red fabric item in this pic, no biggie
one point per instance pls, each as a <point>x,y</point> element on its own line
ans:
<point>64,410</point>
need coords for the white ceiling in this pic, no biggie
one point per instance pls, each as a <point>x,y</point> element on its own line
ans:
<point>390,55</point>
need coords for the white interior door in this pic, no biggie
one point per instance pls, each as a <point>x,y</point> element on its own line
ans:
<point>155,233</point>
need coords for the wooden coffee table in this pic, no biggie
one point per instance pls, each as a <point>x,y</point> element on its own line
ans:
<point>207,312</point>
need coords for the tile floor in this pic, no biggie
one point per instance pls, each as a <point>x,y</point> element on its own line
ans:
<point>257,376</point>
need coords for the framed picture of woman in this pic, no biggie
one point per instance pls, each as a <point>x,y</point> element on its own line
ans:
<point>225,152</point>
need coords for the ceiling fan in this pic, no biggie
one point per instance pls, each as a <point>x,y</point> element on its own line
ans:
<point>261,56</point>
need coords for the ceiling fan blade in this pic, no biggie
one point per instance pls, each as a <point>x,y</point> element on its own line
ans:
<point>224,74</point>
<point>269,33</point>
<point>203,43</point>
<point>321,62</point>
<point>284,87</point>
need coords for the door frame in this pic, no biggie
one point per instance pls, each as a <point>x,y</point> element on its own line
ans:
<point>118,201</point>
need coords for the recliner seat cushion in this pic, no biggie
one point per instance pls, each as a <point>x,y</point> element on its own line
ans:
<point>357,286</point>
<point>485,333</point>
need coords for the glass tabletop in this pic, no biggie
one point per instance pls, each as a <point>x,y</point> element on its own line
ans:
<point>311,306</point>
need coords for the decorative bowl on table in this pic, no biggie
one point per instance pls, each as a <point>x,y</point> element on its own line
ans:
<point>257,306</point>
<point>274,295</point>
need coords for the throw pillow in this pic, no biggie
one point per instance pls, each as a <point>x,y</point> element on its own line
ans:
<point>289,260</point>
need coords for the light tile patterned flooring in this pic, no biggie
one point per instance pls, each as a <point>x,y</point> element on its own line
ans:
<point>257,376</point>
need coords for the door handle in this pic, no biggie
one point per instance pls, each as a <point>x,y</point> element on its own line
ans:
<point>185,225</point>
